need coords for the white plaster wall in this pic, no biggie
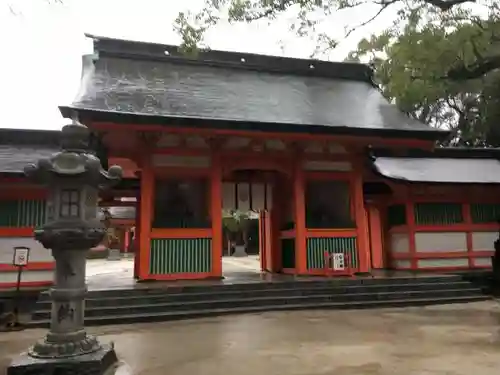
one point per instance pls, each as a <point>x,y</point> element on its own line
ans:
<point>400,243</point>
<point>318,165</point>
<point>481,262</point>
<point>258,196</point>
<point>430,263</point>
<point>181,161</point>
<point>432,242</point>
<point>243,196</point>
<point>258,191</point>
<point>401,264</point>
<point>37,252</point>
<point>27,276</point>
<point>228,196</point>
<point>483,241</point>
<point>319,147</point>
<point>237,142</point>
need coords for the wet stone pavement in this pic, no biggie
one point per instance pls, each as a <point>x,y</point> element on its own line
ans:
<point>451,339</point>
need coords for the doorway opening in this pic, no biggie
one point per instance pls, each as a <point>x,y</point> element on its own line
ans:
<point>112,262</point>
<point>241,242</point>
<point>248,232</point>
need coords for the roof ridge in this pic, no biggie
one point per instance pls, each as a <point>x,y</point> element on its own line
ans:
<point>242,60</point>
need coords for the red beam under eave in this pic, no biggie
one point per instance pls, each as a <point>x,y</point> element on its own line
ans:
<point>422,144</point>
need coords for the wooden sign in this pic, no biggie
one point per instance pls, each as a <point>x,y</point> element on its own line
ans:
<point>338,262</point>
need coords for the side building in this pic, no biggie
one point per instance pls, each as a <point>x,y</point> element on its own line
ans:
<point>443,212</point>
<point>22,205</point>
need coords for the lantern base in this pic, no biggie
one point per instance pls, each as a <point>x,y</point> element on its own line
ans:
<point>96,363</point>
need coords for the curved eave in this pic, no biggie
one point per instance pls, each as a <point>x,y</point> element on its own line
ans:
<point>443,171</point>
<point>84,115</point>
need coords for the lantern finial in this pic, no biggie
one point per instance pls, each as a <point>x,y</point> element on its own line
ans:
<point>75,137</point>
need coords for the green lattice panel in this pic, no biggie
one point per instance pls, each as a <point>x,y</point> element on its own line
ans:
<point>288,252</point>
<point>316,248</point>
<point>438,213</point>
<point>22,213</point>
<point>180,255</point>
<point>483,213</point>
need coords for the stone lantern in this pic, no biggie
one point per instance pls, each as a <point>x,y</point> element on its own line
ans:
<point>73,177</point>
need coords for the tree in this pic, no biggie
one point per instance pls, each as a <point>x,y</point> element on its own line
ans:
<point>236,224</point>
<point>443,71</point>
<point>438,61</point>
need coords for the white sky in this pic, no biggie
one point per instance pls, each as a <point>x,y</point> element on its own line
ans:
<point>42,45</point>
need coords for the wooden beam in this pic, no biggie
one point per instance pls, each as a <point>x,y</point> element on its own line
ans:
<point>353,139</point>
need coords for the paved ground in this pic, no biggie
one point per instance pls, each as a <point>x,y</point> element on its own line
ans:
<point>439,340</point>
<point>105,274</point>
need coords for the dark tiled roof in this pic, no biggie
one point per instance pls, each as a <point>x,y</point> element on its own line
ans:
<point>439,170</point>
<point>13,159</point>
<point>264,92</point>
<point>20,147</point>
<point>29,137</point>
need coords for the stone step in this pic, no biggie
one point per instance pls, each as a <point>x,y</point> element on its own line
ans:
<point>178,315</point>
<point>118,299</point>
<point>126,309</point>
<point>158,289</point>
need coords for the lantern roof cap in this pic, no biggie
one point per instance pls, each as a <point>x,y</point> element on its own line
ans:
<point>75,136</point>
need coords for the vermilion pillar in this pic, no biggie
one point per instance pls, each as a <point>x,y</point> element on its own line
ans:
<point>376,233</point>
<point>146,207</point>
<point>216,214</point>
<point>300,217</point>
<point>361,222</point>
<point>137,237</point>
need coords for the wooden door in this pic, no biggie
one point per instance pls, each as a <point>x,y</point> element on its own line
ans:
<point>265,242</point>
<point>376,237</point>
<point>262,252</point>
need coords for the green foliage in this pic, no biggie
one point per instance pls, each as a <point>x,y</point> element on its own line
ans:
<point>438,61</point>
<point>236,221</point>
<point>431,69</point>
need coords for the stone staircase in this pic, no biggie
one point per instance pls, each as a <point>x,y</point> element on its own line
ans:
<point>147,304</point>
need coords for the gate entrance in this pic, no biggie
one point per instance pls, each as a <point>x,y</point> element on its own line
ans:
<point>251,240</point>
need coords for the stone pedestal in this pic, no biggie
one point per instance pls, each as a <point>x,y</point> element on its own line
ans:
<point>240,251</point>
<point>72,227</point>
<point>114,254</point>
<point>96,363</point>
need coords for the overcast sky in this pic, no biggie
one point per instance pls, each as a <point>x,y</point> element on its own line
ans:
<point>42,45</point>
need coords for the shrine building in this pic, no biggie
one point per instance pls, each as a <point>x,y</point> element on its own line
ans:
<point>311,146</point>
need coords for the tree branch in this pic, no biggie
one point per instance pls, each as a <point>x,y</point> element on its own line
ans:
<point>478,69</point>
<point>384,6</point>
<point>275,7</point>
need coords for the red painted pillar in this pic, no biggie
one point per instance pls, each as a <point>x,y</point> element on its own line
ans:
<point>216,214</point>
<point>126,240</point>
<point>137,236</point>
<point>376,237</point>
<point>361,220</point>
<point>146,207</point>
<point>300,217</point>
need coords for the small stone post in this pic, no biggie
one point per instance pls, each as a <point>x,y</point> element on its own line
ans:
<point>73,177</point>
